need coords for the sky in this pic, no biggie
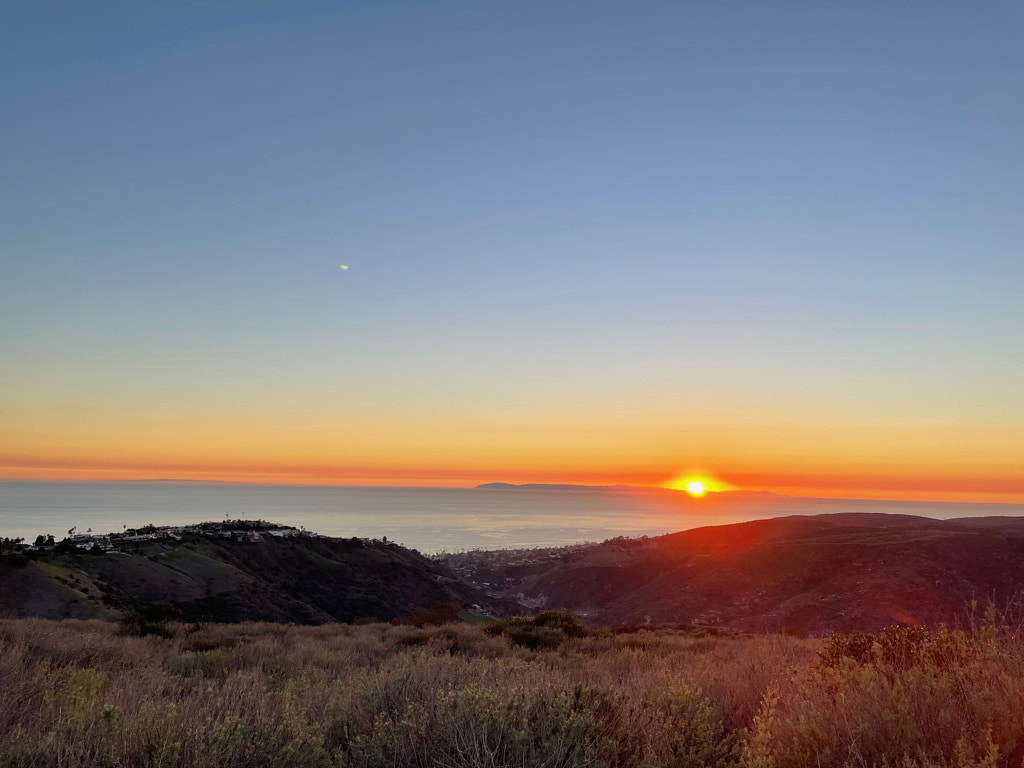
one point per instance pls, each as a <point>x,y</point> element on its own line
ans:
<point>777,244</point>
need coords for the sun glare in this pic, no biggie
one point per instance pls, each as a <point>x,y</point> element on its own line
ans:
<point>696,483</point>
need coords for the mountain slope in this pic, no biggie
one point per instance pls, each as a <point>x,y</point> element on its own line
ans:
<point>302,579</point>
<point>813,573</point>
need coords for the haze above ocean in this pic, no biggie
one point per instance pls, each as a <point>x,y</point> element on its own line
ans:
<point>427,519</point>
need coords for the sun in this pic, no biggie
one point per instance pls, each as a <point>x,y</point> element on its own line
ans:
<point>697,483</point>
<point>696,488</point>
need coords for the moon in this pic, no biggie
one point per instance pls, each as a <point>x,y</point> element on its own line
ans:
<point>344,266</point>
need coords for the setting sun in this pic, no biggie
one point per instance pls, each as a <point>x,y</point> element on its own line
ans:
<point>697,483</point>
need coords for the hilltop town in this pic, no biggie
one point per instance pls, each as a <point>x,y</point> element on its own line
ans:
<point>236,530</point>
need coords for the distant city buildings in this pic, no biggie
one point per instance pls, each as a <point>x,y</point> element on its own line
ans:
<point>237,530</point>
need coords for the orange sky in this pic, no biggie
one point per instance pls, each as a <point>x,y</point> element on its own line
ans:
<point>972,489</point>
<point>788,453</point>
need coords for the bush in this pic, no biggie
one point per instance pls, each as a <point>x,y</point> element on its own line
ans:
<point>856,646</point>
<point>901,647</point>
<point>548,629</point>
<point>14,559</point>
<point>442,613</point>
<point>908,697</point>
<point>149,620</point>
<point>563,621</point>
<point>698,736</point>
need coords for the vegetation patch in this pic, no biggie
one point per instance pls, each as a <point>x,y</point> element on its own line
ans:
<point>548,629</point>
<point>79,693</point>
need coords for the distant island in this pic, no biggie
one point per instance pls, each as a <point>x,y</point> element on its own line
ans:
<point>555,487</point>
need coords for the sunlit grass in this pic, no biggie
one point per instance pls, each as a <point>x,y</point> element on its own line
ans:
<point>518,694</point>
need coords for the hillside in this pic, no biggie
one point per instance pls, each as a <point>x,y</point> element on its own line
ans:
<point>814,573</point>
<point>804,573</point>
<point>303,579</point>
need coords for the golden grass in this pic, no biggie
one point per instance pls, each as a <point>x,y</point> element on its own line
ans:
<point>75,693</point>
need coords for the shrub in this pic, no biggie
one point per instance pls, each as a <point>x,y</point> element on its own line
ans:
<point>901,647</point>
<point>548,629</point>
<point>910,697</point>
<point>413,639</point>
<point>151,619</point>
<point>856,646</point>
<point>14,559</point>
<point>698,737</point>
<point>563,621</point>
<point>442,613</point>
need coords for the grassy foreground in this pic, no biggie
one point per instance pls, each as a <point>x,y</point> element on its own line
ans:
<point>76,693</point>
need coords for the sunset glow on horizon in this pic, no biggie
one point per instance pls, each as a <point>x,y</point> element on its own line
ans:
<point>554,440</point>
<point>952,489</point>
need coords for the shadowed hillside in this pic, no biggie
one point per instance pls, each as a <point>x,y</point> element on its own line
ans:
<point>303,579</point>
<point>814,573</point>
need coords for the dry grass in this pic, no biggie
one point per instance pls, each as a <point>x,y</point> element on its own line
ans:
<point>78,694</point>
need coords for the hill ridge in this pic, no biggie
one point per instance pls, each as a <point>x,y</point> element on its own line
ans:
<point>813,573</point>
<point>235,571</point>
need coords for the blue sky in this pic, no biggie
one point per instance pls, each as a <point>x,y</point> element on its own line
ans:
<point>812,207</point>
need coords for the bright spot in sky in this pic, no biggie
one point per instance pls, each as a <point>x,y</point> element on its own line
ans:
<point>696,488</point>
<point>344,266</point>
<point>697,483</point>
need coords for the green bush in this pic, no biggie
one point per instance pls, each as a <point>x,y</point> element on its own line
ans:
<point>548,629</point>
<point>698,736</point>
<point>563,621</point>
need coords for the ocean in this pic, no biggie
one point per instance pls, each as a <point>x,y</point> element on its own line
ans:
<point>427,519</point>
